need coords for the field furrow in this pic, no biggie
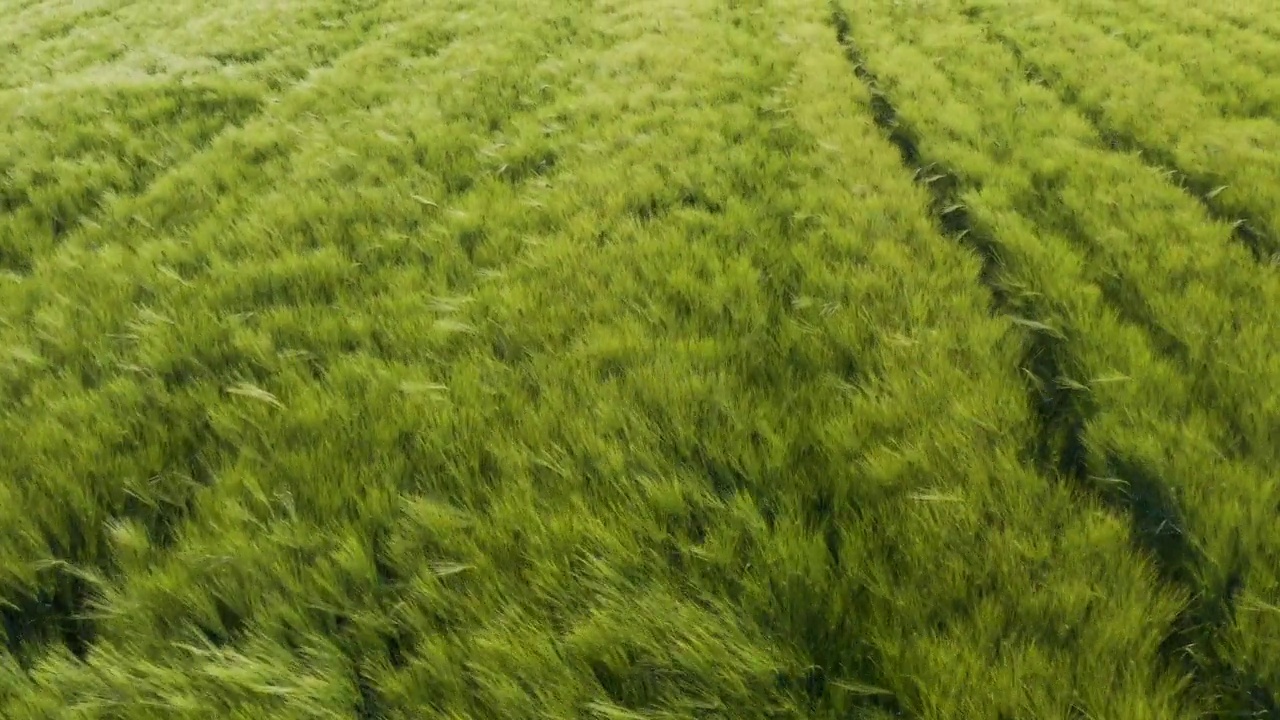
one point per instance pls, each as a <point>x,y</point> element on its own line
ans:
<point>1118,385</point>
<point>1233,164</point>
<point>1219,336</point>
<point>1237,73</point>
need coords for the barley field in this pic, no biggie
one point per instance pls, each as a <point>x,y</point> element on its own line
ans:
<point>639,359</point>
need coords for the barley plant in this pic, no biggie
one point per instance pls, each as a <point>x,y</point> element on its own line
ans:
<point>639,359</point>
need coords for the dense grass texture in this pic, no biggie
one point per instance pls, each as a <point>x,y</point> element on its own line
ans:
<point>639,359</point>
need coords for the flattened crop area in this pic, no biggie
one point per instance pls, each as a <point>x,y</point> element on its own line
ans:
<point>640,359</point>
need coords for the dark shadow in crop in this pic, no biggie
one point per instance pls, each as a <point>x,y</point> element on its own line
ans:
<point>56,613</point>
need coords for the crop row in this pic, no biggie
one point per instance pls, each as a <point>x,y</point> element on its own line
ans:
<point>117,352</point>
<point>1219,311</point>
<point>1233,162</point>
<point>1237,71</point>
<point>1139,301</point>
<point>74,147</point>
<point>1245,297</point>
<point>606,360</point>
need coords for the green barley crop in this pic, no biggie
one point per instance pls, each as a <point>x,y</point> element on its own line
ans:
<point>1234,67</point>
<point>623,359</point>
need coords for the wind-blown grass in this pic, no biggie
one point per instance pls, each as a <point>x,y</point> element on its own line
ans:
<point>598,359</point>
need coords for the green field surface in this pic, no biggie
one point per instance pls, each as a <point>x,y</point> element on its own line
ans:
<point>639,359</point>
